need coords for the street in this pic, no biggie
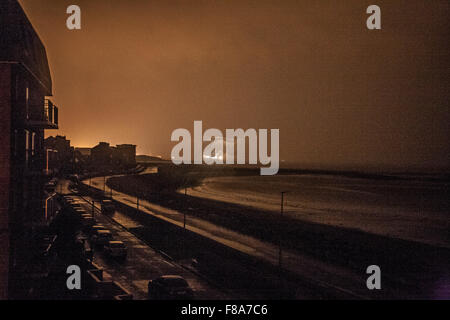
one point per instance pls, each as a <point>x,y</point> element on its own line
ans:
<point>143,263</point>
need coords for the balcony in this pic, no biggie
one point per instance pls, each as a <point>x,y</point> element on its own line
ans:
<point>46,119</point>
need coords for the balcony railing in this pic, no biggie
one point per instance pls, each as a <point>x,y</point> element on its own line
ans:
<point>51,113</point>
<point>48,118</point>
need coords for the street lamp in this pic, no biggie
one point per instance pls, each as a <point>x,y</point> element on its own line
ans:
<point>282,201</point>
<point>279,239</point>
<point>49,150</point>
<point>184,211</point>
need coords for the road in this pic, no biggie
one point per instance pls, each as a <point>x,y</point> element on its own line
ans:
<point>330,277</point>
<point>143,263</point>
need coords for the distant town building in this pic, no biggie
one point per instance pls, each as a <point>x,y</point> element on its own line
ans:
<point>101,156</point>
<point>25,82</point>
<point>81,158</point>
<point>104,156</point>
<point>60,155</point>
<point>85,152</point>
<point>124,155</point>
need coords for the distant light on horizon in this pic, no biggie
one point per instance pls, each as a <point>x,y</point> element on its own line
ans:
<point>340,95</point>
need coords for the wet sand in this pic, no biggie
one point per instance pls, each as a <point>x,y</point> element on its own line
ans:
<point>414,209</point>
<point>420,263</point>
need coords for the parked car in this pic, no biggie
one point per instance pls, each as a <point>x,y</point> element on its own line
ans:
<point>169,287</point>
<point>87,221</point>
<point>87,215</point>
<point>101,237</point>
<point>108,206</point>
<point>87,249</point>
<point>76,202</point>
<point>79,210</point>
<point>67,200</point>
<point>116,249</point>
<point>97,227</point>
<point>76,207</point>
<point>71,201</point>
<point>74,178</point>
<point>50,186</point>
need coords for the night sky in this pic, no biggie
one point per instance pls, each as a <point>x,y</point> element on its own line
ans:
<point>340,94</point>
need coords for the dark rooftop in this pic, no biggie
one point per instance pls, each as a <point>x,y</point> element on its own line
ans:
<point>19,43</point>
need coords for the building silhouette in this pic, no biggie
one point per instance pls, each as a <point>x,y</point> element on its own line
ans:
<point>106,157</point>
<point>124,155</point>
<point>60,154</point>
<point>84,152</point>
<point>101,156</point>
<point>25,82</point>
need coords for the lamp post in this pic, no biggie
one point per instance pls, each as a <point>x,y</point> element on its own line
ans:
<point>282,202</point>
<point>49,150</point>
<point>280,252</point>
<point>184,211</point>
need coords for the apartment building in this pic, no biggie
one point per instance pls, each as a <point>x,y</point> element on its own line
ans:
<point>26,111</point>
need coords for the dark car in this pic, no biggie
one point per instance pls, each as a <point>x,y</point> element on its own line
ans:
<point>79,211</point>
<point>101,237</point>
<point>95,228</point>
<point>116,249</point>
<point>74,178</point>
<point>108,207</point>
<point>169,287</point>
<point>87,221</point>
<point>50,186</point>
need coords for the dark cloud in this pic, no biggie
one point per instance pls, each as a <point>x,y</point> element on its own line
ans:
<point>340,94</point>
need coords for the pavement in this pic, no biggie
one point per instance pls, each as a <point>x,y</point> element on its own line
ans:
<point>143,263</point>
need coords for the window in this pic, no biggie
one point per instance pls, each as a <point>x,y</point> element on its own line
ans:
<point>33,143</point>
<point>27,98</point>
<point>16,143</point>
<point>27,148</point>
<point>17,87</point>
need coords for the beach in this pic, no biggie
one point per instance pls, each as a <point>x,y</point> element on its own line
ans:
<point>411,209</point>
